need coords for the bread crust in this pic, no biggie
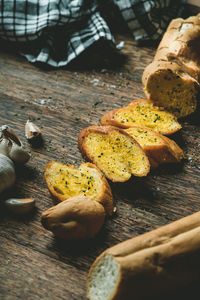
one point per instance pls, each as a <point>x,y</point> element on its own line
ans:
<point>105,130</point>
<point>181,41</point>
<point>109,117</point>
<point>155,262</point>
<point>105,198</point>
<point>157,66</point>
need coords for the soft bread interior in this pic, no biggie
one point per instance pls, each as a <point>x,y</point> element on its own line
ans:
<point>144,136</point>
<point>174,93</point>
<point>117,155</point>
<point>70,181</point>
<point>103,279</point>
<point>145,114</point>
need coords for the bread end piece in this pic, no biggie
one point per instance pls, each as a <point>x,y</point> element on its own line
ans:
<point>76,218</point>
<point>169,86</point>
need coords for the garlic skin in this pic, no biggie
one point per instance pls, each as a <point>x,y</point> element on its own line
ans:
<point>20,206</point>
<point>32,131</point>
<point>7,173</point>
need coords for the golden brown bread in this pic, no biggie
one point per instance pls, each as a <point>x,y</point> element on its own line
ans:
<point>172,79</point>
<point>115,152</point>
<point>159,149</point>
<point>76,218</point>
<point>149,264</point>
<point>181,43</point>
<point>168,85</point>
<point>66,181</point>
<point>143,113</point>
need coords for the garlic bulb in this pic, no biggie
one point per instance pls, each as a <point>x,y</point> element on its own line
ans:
<point>7,172</point>
<point>11,150</point>
<point>11,146</point>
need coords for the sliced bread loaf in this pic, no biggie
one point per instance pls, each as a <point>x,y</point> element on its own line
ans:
<point>172,79</point>
<point>159,149</point>
<point>142,113</point>
<point>114,152</point>
<point>66,181</point>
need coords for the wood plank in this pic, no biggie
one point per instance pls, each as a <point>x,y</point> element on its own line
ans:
<point>50,279</point>
<point>33,264</point>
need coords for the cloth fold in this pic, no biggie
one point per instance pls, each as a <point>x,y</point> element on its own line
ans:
<point>55,32</point>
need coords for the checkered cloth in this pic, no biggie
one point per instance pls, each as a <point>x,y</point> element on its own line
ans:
<point>57,31</point>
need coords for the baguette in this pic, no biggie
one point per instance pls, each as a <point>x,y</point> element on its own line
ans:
<point>159,149</point>
<point>116,153</point>
<point>149,264</point>
<point>172,79</point>
<point>143,113</point>
<point>66,181</point>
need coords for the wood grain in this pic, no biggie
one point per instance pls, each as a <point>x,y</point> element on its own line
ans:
<point>35,265</point>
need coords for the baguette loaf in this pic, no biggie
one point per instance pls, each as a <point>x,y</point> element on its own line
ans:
<point>66,181</point>
<point>149,264</point>
<point>142,113</point>
<point>159,149</point>
<point>115,152</point>
<point>172,79</point>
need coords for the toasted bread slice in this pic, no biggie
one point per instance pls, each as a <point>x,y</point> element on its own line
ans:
<point>66,181</point>
<point>159,149</point>
<point>142,113</point>
<point>114,151</point>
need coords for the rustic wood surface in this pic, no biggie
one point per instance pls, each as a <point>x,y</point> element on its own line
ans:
<point>33,263</point>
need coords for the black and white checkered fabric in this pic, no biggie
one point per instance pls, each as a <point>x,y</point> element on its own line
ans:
<point>57,31</point>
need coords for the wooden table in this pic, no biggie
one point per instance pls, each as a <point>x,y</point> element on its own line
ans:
<point>33,263</point>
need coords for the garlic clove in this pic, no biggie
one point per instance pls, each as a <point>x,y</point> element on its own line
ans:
<point>4,146</point>
<point>32,131</point>
<point>18,154</point>
<point>14,148</point>
<point>7,173</point>
<point>20,206</point>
